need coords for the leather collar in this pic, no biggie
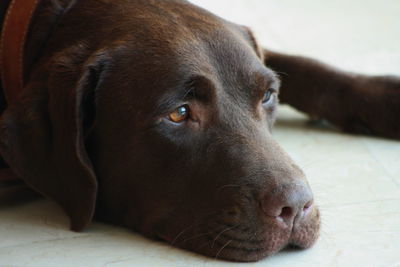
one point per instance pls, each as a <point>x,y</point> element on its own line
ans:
<point>12,51</point>
<point>12,46</point>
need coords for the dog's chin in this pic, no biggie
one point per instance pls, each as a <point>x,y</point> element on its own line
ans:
<point>245,244</point>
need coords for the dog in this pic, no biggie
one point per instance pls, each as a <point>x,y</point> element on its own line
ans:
<point>157,116</point>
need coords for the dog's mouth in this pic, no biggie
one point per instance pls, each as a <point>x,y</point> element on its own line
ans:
<point>245,242</point>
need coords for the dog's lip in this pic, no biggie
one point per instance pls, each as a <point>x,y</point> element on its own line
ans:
<point>243,253</point>
<point>242,248</point>
<point>298,238</point>
<point>237,251</point>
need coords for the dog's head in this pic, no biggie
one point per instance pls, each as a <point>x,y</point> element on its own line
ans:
<point>161,121</point>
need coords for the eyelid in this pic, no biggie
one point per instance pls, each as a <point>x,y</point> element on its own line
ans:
<point>272,99</point>
<point>273,90</point>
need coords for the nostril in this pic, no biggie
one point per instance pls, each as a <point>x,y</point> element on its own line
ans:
<point>285,216</point>
<point>308,206</point>
<point>286,212</point>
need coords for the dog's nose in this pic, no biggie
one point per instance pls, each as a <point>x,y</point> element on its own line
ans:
<point>287,203</point>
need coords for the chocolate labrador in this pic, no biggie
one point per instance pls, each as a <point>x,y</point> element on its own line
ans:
<point>157,116</point>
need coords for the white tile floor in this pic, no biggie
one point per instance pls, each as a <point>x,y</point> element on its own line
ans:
<point>356,179</point>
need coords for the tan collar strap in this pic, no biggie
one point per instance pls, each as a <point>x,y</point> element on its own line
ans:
<point>13,38</point>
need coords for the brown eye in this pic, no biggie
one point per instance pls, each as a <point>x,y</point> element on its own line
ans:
<point>179,115</point>
<point>267,96</point>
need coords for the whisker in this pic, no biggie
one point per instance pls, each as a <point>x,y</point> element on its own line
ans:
<point>196,236</point>
<point>280,72</point>
<point>222,248</point>
<point>223,231</point>
<point>179,235</point>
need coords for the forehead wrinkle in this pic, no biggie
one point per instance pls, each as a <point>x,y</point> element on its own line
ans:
<point>233,61</point>
<point>197,87</point>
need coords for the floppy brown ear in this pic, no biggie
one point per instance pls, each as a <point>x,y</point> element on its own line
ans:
<point>42,137</point>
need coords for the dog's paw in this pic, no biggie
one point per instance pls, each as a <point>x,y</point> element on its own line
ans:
<point>375,107</point>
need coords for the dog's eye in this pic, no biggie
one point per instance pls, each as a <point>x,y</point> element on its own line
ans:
<point>267,96</point>
<point>179,115</point>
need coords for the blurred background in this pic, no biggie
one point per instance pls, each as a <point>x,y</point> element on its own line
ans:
<point>357,35</point>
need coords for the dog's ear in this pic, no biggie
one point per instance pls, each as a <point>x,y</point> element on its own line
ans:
<point>42,136</point>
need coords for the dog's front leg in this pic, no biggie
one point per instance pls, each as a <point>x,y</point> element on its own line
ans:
<point>354,102</point>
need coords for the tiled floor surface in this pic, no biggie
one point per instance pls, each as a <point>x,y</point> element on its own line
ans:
<point>356,179</point>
